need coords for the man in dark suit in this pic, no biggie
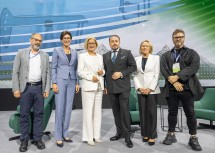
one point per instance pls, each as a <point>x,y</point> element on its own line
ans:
<point>119,64</point>
<point>179,67</point>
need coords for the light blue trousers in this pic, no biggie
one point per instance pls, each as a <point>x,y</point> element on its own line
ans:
<point>63,109</point>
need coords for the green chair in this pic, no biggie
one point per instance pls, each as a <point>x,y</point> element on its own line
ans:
<point>133,107</point>
<point>14,121</point>
<point>205,107</point>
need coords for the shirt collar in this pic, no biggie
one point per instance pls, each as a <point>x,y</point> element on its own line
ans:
<point>115,50</point>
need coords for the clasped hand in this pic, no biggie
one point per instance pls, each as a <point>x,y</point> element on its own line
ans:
<point>116,75</point>
<point>178,86</point>
<point>172,79</point>
<point>145,91</point>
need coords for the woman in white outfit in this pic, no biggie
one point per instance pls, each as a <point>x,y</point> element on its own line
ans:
<point>146,83</point>
<point>91,71</point>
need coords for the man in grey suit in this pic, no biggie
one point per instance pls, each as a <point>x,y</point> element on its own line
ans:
<point>119,64</point>
<point>31,83</point>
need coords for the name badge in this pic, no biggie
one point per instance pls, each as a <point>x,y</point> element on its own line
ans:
<point>175,67</point>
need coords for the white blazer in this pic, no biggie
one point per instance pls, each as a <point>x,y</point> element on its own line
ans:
<point>149,78</point>
<point>87,69</point>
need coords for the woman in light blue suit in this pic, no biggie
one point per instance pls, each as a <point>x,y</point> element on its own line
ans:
<point>146,83</point>
<point>64,84</point>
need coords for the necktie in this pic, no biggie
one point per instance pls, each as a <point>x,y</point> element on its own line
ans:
<point>114,57</point>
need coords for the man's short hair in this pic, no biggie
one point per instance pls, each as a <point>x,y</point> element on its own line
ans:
<point>114,36</point>
<point>178,31</point>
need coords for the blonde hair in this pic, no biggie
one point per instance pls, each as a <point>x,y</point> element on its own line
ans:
<point>87,40</point>
<point>150,46</point>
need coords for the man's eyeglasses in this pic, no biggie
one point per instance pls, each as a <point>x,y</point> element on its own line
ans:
<point>179,37</point>
<point>37,39</point>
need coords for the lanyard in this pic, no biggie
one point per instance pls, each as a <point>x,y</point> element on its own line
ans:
<point>176,57</point>
<point>34,55</point>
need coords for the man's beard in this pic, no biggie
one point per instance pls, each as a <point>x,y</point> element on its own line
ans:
<point>35,47</point>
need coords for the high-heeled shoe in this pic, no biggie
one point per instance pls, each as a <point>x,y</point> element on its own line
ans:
<point>145,139</point>
<point>151,142</point>
<point>59,144</point>
<point>98,140</point>
<point>91,143</point>
<point>67,140</point>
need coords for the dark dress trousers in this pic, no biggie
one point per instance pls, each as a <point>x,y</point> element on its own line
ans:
<point>119,90</point>
<point>189,64</point>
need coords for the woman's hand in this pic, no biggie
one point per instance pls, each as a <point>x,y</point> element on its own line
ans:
<point>100,72</point>
<point>95,79</point>
<point>77,88</point>
<point>55,88</point>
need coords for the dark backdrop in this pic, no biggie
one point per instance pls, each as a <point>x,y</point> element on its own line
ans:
<point>8,102</point>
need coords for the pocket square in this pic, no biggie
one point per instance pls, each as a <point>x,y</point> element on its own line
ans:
<point>122,57</point>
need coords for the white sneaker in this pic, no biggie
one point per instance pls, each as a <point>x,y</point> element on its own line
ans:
<point>91,143</point>
<point>98,140</point>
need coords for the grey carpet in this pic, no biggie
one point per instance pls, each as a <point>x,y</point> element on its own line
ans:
<point>206,138</point>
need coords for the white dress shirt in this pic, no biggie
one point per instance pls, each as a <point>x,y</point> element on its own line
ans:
<point>34,67</point>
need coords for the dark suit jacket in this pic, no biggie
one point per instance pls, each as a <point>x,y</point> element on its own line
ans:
<point>125,63</point>
<point>189,65</point>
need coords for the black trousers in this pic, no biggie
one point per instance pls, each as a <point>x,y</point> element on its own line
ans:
<point>148,115</point>
<point>120,108</point>
<point>187,101</point>
<point>31,97</point>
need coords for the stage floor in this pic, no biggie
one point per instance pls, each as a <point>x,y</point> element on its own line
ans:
<point>206,138</point>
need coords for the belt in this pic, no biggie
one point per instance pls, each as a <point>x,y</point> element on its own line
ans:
<point>34,83</point>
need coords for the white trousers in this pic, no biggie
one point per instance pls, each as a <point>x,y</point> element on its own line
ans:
<point>92,111</point>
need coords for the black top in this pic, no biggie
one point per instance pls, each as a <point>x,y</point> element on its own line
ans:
<point>69,56</point>
<point>144,60</point>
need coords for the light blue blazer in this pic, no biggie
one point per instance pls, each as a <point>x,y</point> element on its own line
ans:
<point>61,67</point>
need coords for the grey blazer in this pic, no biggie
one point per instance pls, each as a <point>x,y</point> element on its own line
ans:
<point>21,70</point>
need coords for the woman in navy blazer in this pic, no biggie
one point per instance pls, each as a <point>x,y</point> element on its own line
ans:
<point>146,83</point>
<point>64,84</point>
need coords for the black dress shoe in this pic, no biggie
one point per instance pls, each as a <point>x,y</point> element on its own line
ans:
<point>129,143</point>
<point>24,146</point>
<point>59,144</point>
<point>151,143</point>
<point>67,140</point>
<point>116,137</point>
<point>40,145</point>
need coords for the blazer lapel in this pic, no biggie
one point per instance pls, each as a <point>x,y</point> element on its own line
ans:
<point>140,64</point>
<point>64,54</point>
<point>119,56</point>
<point>42,62</point>
<point>72,57</point>
<point>109,58</point>
<point>149,62</point>
<point>27,56</point>
<point>171,61</point>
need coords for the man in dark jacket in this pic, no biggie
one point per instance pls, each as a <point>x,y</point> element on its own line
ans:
<point>119,64</point>
<point>179,67</point>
